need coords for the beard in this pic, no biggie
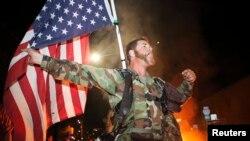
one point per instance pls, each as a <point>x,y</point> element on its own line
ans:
<point>147,58</point>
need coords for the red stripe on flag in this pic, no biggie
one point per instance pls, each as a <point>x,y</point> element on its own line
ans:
<point>19,128</point>
<point>85,50</point>
<point>16,74</point>
<point>60,101</point>
<point>41,88</point>
<point>32,103</point>
<point>75,98</point>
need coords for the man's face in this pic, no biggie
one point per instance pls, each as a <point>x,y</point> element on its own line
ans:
<point>144,51</point>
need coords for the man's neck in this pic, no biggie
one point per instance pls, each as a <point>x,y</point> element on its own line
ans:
<point>138,68</point>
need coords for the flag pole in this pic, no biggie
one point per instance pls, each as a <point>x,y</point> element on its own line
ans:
<point>122,56</point>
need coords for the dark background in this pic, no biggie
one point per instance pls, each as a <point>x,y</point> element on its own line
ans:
<point>208,36</point>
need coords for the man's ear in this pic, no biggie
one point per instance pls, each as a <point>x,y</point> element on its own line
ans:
<point>131,53</point>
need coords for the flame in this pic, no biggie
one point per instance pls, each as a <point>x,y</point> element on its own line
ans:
<point>189,122</point>
<point>194,135</point>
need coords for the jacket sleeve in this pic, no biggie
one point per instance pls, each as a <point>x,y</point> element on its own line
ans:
<point>174,98</point>
<point>186,89</point>
<point>82,74</point>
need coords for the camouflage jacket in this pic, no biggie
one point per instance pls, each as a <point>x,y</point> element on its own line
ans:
<point>144,114</point>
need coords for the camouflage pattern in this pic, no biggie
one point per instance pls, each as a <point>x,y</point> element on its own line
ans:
<point>145,114</point>
<point>171,129</point>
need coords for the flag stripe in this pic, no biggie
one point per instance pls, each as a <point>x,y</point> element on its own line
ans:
<point>77,45</point>
<point>18,122</point>
<point>32,100</point>
<point>37,83</point>
<point>67,97</point>
<point>85,57</point>
<point>26,116</point>
<point>83,98</point>
<point>53,102</point>
<point>18,62</point>
<point>76,99</point>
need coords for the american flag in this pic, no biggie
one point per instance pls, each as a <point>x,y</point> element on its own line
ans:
<point>32,98</point>
<point>67,19</point>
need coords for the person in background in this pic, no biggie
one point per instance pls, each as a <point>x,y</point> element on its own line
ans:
<point>150,117</point>
<point>6,127</point>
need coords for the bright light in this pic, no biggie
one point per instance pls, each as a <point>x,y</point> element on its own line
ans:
<point>178,119</point>
<point>95,57</point>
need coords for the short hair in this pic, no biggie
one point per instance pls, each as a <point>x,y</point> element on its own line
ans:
<point>132,45</point>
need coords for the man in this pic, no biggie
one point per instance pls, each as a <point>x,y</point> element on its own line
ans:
<point>145,119</point>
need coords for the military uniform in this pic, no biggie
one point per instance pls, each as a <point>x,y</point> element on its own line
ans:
<point>145,120</point>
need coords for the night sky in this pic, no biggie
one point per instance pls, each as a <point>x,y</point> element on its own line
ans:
<point>207,36</point>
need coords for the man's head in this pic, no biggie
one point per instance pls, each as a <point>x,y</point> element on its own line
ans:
<point>140,49</point>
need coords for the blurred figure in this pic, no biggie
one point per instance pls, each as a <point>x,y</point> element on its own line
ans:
<point>6,127</point>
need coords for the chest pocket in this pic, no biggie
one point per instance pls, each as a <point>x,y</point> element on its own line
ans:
<point>147,103</point>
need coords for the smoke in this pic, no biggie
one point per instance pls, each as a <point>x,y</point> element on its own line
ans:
<point>175,30</point>
<point>173,27</point>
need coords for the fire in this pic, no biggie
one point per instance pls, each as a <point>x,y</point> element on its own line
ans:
<point>191,125</point>
<point>194,135</point>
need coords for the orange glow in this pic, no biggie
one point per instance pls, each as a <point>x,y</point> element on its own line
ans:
<point>191,129</point>
<point>192,133</point>
<point>178,119</point>
<point>194,136</point>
